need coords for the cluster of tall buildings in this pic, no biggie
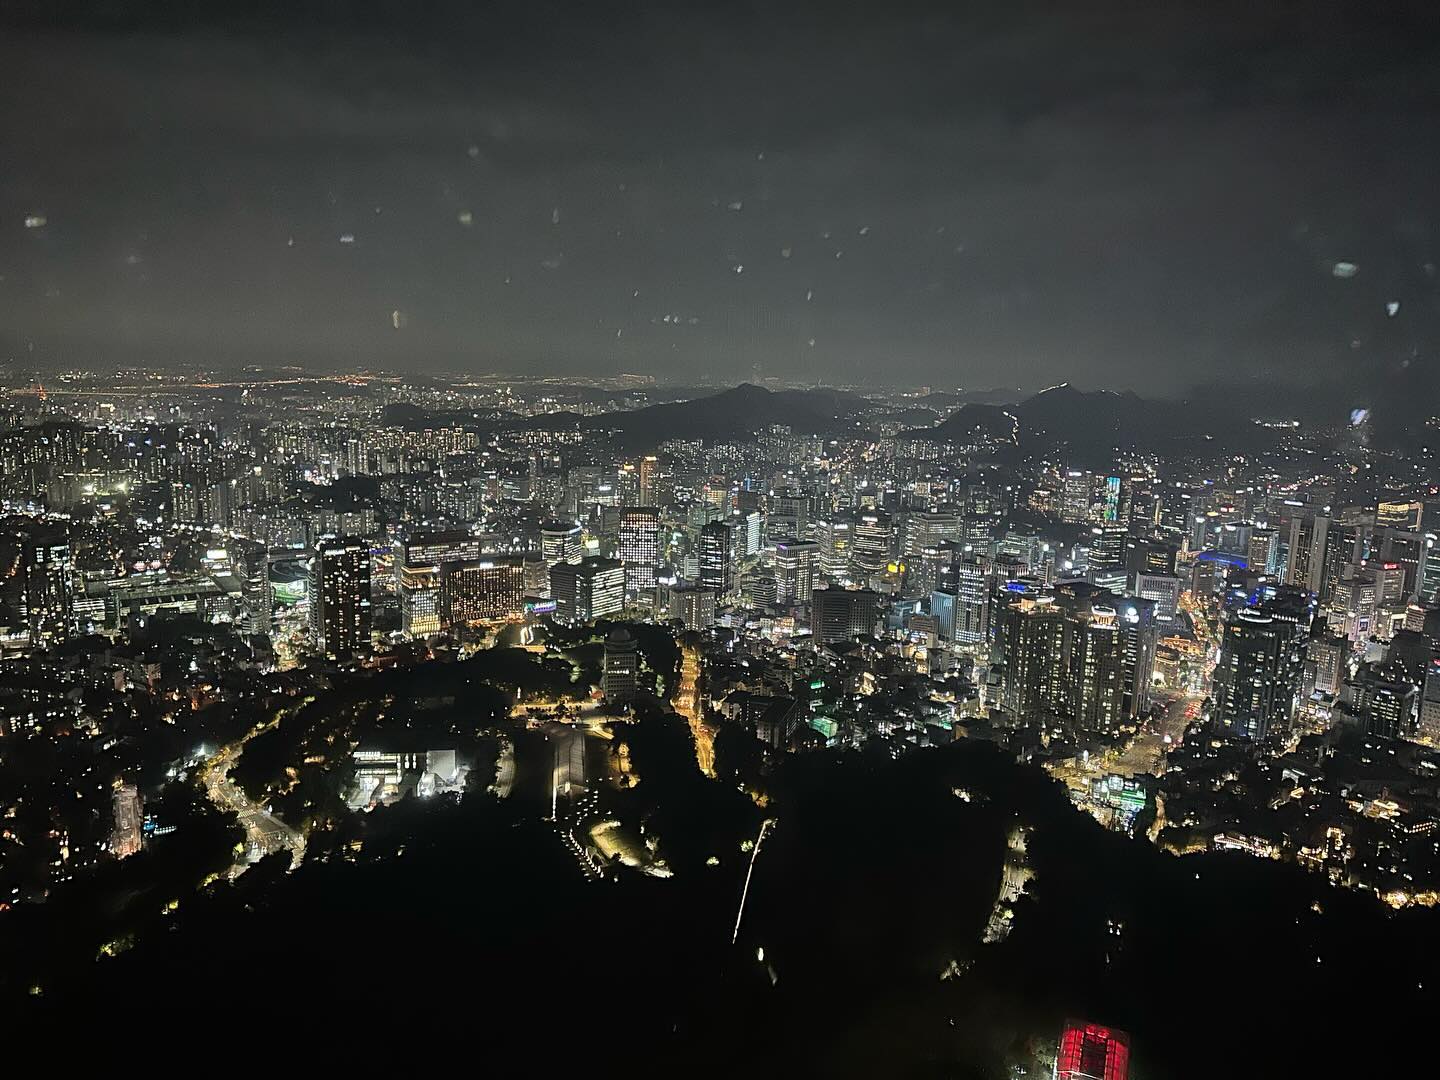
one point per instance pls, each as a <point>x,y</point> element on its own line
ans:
<point>1075,657</point>
<point>444,580</point>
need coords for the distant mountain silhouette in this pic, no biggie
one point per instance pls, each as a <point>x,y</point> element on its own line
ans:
<point>733,414</point>
<point>1092,424</point>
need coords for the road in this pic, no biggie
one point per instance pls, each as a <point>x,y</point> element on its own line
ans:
<point>687,703</point>
<point>1146,752</point>
<point>265,834</point>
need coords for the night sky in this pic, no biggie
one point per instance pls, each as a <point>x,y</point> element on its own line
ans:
<point>1142,195</point>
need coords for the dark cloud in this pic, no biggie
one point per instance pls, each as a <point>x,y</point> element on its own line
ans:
<point>1116,193</point>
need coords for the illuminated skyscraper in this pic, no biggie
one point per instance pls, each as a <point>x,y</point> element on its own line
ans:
<point>795,564</point>
<point>714,555</point>
<point>340,598</point>
<point>1096,675</point>
<point>1430,569</point>
<point>591,589</point>
<point>1030,632</point>
<point>928,529</point>
<point>1107,547</point>
<point>788,515</point>
<point>1077,492</point>
<point>1144,555</point>
<point>871,550</point>
<point>418,586</point>
<point>972,602</point>
<point>560,542</point>
<point>1327,653</point>
<point>639,548</point>
<point>693,605</point>
<point>1262,661</point>
<point>45,583</point>
<point>649,469</point>
<point>1163,589</point>
<point>1407,550</point>
<point>835,535</point>
<point>1080,656</point>
<point>1115,506</point>
<point>1319,548</point>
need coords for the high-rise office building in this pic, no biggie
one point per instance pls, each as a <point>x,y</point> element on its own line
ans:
<point>714,557</point>
<point>1148,556</point>
<point>1430,569</point>
<point>872,541</point>
<point>1077,494</point>
<point>1319,549</point>
<point>750,532</point>
<point>1140,628</point>
<point>649,473</point>
<point>621,666</point>
<point>1096,674</point>
<point>972,602</point>
<point>1429,725</point>
<point>591,589</point>
<point>1327,654</point>
<point>1384,700</point>
<point>1263,552</point>
<point>838,615</point>
<point>1299,549</point>
<point>1107,546</point>
<point>418,578</point>
<point>1163,589</point>
<point>925,568</point>
<point>560,542</point>
<point>693,605</point>
<point>639,548</point>
<point>257,597</point>
<point>788,514</point>
<point>1355,600</point>
<point>928,529</point>
<point>340,598</point>
<point>836,535</point>
<point>1407,550</point>
<point>795,566</point>
<point>45,580</point>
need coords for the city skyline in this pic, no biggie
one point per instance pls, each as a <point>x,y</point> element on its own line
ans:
<point>769,540</point>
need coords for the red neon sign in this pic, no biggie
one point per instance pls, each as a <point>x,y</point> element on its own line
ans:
<point>1092,1052</point>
